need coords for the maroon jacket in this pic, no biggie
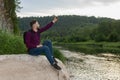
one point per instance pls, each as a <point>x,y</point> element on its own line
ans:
<point>32,38</point>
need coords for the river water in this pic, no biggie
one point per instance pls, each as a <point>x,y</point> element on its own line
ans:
<point>90,67</point>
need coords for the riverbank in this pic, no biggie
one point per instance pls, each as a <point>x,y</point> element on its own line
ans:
<point>91,67</point>
<point>92,47</point>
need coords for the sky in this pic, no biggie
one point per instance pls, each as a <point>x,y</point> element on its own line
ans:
<point>98,8</point>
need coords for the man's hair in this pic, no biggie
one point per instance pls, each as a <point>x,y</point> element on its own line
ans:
<point>32,22</point>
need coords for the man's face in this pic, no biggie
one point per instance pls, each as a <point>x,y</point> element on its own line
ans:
<point>36,25</point>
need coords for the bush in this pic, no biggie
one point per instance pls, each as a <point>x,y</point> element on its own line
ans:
<point>10,44</point>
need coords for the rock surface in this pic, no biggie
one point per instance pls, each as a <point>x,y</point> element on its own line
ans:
<point>26,67</point>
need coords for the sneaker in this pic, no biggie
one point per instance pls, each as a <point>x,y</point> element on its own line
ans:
<point>55,60</point>
<point>56,66</point>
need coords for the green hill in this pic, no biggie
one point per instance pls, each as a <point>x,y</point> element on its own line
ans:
<point>74,28</point>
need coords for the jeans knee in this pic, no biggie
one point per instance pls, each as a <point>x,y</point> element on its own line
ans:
<point>48,42</point>
<point>46,47</point>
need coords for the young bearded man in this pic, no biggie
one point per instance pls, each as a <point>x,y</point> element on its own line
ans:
<point>34,45</point>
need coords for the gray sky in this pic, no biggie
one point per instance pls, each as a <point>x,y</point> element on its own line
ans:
<point>98,8</point>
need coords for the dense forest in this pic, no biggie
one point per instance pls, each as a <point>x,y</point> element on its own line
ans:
<point>74,28</point>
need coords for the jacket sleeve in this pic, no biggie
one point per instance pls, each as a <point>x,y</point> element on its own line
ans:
<point>46,27</point>
<point>27,40</point>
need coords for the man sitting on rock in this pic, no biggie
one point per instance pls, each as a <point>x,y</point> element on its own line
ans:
<point>33,42</point>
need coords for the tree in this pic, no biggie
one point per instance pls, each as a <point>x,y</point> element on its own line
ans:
<point>11,6</point>
<point>113,37</point>
<point>100,37</point>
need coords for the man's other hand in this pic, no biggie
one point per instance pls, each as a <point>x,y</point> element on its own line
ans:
<point>40,45</point>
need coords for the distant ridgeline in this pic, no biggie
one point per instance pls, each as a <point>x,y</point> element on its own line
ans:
<point>8,18</point>
<point>73,28</point>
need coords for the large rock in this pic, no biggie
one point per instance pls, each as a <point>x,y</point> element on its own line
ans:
<point>26,67</point>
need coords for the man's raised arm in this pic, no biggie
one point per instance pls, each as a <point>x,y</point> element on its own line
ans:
<point>48,25</point>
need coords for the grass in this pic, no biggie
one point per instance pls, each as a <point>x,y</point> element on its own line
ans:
<point>93,47</point>
<point>11,44</point>
<point>59,55</point>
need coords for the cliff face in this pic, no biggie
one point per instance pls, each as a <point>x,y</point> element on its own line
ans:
<point>26,67</point>
<point>5,21</point>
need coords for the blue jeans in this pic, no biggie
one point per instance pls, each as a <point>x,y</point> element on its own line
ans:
<point>46,48</point>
